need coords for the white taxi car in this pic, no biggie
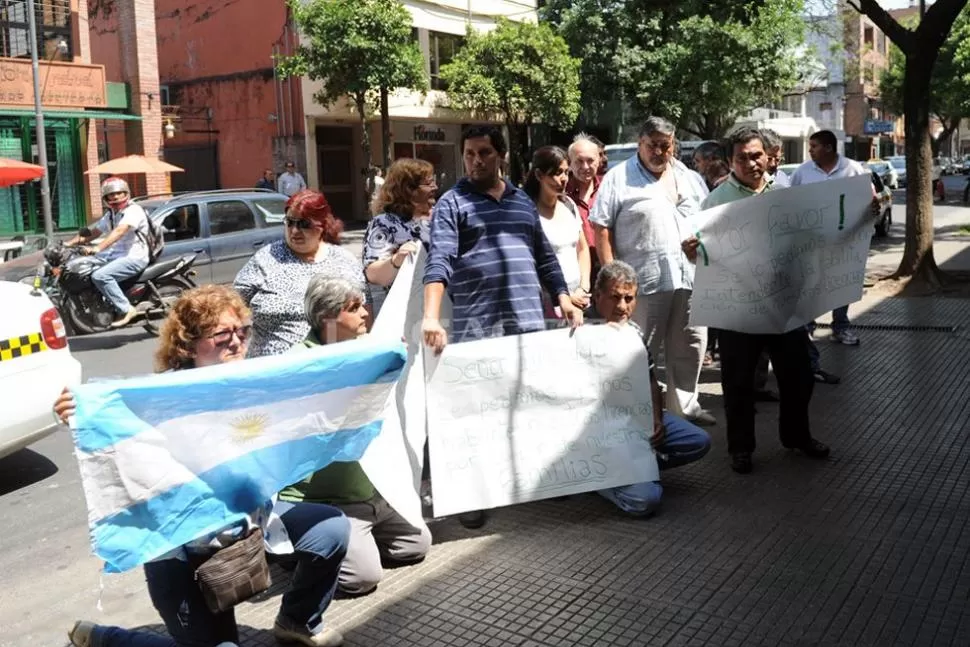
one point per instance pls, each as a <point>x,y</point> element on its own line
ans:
<point>35,365</point>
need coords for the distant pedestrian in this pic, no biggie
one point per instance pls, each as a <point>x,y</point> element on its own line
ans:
<point>268,181</point>
<point>290,181</point>
<point>604,159</point>
<point>643,212</point>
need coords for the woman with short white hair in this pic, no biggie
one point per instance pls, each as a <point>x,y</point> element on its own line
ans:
<point>335,311</point>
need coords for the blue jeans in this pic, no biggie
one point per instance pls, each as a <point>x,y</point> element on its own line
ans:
<point>320,534</point>
<point>840,320</point>
<point>107,277</point>
<point>685,443</point>
<point>840,323</point>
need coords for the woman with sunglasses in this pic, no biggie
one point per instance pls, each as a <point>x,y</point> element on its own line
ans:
<point>274,280</point>
<point>401,222</point>
<point>207,326</point>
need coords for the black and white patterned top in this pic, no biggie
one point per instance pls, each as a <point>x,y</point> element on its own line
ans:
<point>274,282</point>
<point>385,233</point>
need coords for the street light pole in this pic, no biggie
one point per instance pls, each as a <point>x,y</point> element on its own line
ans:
<point>45,183</point>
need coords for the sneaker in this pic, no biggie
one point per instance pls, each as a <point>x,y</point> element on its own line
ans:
<point>845,337</point>
<point>80,634</point>
<point>286,632</point>
<point>126,318</point>
<point>825,377</point>
<point>703,417</point>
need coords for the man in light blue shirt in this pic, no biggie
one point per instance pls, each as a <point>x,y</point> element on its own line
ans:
<point>645,208</point>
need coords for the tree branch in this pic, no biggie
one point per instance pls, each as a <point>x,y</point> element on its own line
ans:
<point>901,36</point>
<point>938,21</point>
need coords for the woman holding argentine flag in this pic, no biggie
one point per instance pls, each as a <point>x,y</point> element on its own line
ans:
<point>274,280</point>
<point>211,325</point>
<point>335,312</point>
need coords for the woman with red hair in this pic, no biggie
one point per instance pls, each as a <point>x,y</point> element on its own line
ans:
<point>275,279</point>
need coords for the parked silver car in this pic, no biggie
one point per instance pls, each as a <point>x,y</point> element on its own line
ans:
<point>223,228</point>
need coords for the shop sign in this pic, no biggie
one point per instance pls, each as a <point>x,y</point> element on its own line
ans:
<point>424,134</point>
<point>878,126</point>
<point>63,85</point>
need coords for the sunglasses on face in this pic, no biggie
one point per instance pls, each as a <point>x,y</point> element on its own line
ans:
<point>299,223</point>
<point>223,338</point>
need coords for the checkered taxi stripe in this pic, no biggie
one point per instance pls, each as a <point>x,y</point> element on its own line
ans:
<point>20,346</point>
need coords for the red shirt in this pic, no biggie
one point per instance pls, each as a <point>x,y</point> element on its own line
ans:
<point>573,191</point>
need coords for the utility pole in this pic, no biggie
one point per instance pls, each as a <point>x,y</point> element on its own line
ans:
<point>45,182</point>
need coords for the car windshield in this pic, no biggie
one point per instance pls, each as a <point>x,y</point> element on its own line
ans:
<point>272,209</point>
<point>898,163</point>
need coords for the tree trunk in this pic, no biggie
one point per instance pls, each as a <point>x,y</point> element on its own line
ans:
<point>360,99</point>
<point>385,130</point>
<point>918,261</point>
<point>517,154</point>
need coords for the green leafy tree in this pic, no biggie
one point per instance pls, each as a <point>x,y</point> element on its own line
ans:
<point>921,45</point>
<point>949,85</point>
<point>521,71</point>
<point>357,48</point>
<point>675,59</point>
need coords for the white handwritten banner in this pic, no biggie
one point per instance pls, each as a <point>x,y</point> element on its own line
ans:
<point>395,459</point>
<point>534,416</point>
<point>774,262</point>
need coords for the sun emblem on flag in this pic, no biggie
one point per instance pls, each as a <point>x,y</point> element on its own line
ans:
<point>249,427</point>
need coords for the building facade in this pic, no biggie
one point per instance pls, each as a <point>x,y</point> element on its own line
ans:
<point>223,113</point>
<point>76,94</point>
<point>422,126</point>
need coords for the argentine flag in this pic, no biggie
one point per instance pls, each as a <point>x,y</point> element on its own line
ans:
<point>169,458</point>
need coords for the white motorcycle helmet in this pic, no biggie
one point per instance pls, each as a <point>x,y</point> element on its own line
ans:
<point>115,185</point>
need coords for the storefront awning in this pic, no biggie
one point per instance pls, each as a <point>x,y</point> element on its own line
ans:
<point>69,114</point>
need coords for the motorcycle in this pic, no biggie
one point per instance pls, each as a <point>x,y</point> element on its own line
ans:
<point>66,278</point>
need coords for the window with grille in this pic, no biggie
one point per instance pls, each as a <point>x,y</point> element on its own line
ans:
<point>53,18</point>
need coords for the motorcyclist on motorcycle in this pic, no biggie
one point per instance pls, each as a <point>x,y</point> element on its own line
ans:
<point>124,251</point>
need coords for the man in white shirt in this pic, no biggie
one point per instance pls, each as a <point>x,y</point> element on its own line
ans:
<point>827,164</point>
<point>644,208</point>
<point>290,182</point>
<point>124,250</point>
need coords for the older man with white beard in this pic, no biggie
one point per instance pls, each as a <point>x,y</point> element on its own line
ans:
<point>642,213</point>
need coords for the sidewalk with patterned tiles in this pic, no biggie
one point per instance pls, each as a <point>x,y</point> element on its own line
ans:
<point>867,548</point>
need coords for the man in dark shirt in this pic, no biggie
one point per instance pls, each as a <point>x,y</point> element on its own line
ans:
<point>488,250</point>
<point>266,182</point>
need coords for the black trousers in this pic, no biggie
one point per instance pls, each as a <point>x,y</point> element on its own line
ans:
<point>740,353</point>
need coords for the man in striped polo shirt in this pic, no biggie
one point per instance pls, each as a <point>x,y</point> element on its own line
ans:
<point>488,250</point>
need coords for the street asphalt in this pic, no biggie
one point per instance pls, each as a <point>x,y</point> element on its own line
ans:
<point>50,578</point>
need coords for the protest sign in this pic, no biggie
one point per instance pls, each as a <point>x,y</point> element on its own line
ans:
<point>166,459</point>
<point>534,416</point>
<point>774,262</point>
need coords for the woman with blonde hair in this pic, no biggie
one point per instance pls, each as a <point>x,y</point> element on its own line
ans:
<point>401,222</point>
<point>211,325</point>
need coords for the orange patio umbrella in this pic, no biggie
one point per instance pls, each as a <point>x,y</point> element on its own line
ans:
<point>133,164</point>
<point>14,172</point>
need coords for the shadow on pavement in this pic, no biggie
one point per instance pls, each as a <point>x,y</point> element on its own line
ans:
<point>108,340</point>
<point>22,469</point>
